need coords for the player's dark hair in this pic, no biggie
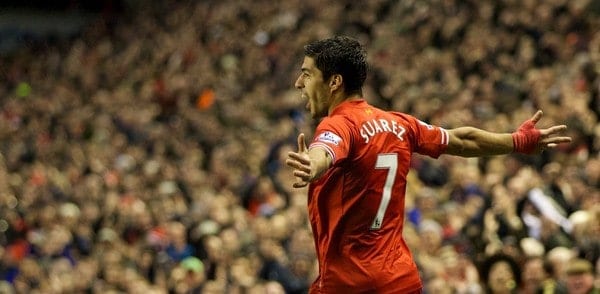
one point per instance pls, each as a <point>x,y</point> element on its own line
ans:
<point>340,55</point>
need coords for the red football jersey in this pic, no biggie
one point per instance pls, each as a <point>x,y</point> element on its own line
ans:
<point>356,208</point>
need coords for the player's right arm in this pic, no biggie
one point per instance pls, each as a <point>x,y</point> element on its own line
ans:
<point>471,142</point>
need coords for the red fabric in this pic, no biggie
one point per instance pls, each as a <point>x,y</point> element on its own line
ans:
<point>366,144</point>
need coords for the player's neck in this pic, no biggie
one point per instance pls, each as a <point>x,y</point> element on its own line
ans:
<point>339,99</point>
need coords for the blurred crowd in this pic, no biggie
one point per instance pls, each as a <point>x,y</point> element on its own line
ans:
<point>145,155</point>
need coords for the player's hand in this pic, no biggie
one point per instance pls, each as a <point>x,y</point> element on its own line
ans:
<point>550,137</point>
<point>300,162</point>
<point>528,139</point>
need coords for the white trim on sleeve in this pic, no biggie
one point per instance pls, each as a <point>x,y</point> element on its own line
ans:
<point>445,136</point>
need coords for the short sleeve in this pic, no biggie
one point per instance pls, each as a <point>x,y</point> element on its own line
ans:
<point>429,140</point>
<point>333,135</point>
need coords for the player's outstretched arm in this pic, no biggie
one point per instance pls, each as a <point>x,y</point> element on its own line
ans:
<point>527,139</point>
<point>308,164</point>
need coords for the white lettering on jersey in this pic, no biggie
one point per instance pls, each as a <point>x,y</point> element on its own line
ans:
<point>375,126</point>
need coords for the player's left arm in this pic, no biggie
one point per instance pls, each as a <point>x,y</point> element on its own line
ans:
<point>308,164</point>
<point>472,142</point>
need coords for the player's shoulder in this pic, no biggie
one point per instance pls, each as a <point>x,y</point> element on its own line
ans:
<point>403,116</point>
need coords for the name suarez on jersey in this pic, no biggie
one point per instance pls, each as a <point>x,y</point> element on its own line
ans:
<point>372,127</point>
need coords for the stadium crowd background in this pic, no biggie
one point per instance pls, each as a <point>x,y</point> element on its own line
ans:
<point>144,154</point>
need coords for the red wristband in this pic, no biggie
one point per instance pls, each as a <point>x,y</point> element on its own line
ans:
<point>526,138</point>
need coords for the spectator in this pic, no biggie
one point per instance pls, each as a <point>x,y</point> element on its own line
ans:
<point>580,277</point>
<point>533,275</point>
<point>557,260</point>
<point>501,274</point>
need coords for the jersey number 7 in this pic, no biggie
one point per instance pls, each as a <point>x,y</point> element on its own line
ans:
<point>387,161</point>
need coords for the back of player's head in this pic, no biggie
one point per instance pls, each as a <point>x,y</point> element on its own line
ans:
<point>340,55</point>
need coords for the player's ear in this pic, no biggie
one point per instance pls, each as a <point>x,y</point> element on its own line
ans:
<point>335,82</point>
